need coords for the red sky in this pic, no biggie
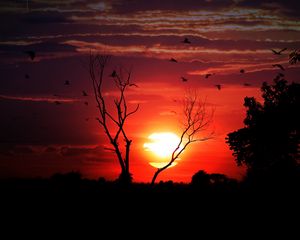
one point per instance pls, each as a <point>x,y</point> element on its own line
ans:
<point>39,138</point>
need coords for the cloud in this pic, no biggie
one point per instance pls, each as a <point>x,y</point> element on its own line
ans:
<point>39,99</point>
<point>125,7</point>
<point>51,149</point>
<point>288,8</point>
<point>39,46</point>
<point>12,150</point>
<point>44,17</point>
<point>234,68</point>
<point>86,151</point>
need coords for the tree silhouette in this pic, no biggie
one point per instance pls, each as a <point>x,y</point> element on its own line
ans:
<point>201,179</point>
<point>269,143</point>
<point>196,120</point>
<point>113,122</point>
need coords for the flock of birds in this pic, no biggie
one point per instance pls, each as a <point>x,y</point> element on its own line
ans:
<point>32,54</point>
<point>242,71</point>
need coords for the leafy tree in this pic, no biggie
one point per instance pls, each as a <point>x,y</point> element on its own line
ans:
<point>268,145</point>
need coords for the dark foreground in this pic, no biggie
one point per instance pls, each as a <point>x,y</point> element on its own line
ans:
<point>53,205</point>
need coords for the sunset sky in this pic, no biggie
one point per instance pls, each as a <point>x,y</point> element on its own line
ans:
<point>39,137</point>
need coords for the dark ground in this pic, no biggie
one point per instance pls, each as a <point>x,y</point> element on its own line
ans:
<point>75,204</point>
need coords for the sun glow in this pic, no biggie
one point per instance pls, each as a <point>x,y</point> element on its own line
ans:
<point>162,146</point>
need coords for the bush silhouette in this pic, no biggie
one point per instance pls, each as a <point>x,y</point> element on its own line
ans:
<point>201,179</point>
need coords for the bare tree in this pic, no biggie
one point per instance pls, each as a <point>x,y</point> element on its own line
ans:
<point>113,121</point>
<point>196,120</point>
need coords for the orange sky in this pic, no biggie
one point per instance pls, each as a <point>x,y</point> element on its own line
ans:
<point>40,137</point>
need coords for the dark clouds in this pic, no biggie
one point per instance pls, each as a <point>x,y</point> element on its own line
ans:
<point>39,123</point>
<point>96,153</point>
<point>288,8</point>
<point>7,149</point>
<point>169,5</point>
<point>44,17</point>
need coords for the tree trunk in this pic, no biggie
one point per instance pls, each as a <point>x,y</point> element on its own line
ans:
<point>125,178</point>
<point>128,143</point>
<point>155,176</point>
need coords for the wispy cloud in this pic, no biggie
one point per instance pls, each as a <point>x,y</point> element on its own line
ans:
<point>234,68</point>
<point>40,99</point>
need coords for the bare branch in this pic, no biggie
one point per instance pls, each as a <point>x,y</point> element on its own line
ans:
<point>113,122</point>
<point>195,120</point>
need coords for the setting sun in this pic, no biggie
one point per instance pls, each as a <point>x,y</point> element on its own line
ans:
<point>162,146</point>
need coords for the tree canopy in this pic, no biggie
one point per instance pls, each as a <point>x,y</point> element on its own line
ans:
<point>268,144</point>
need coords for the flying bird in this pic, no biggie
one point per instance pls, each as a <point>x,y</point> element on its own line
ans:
<point>242,71</point>
<point>186,40</point>
<point>84,94</point>
<point>278,76</point>
<point>27,76</point>
<point>173,60</point>
<point>133,85</point>
<point>218,86</point>
<point>67,82</point>
<point>208,75</point>
<point>278,52</point>
<point>113,74</point>
<point>247,84</point>
<point>31,54</point>
<point>279,66</point>
<point>184,79</point>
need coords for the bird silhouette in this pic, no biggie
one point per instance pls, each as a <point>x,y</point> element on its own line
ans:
<point>67,82</point>
<point>173,60</point>
<point>184,79</point>
<point>247,84</point>
<point>279,66</point>
<point>186,40</point>
<point>84,94</point>
<point>218,86</point>
<point>133,85</point>
<point>27,76</point>
<point>86,103</point>
<point>242,71</point>
<point>31,54</point>
<point>278,76</point>
<point>208,75</point>
<point>113,74</point>
<point>278,52</point>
